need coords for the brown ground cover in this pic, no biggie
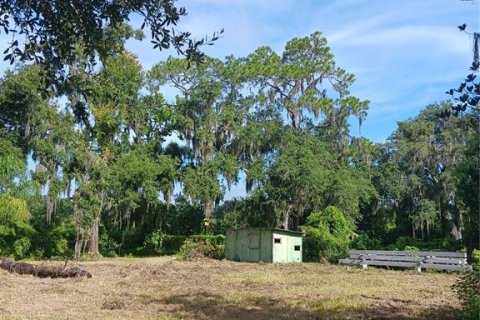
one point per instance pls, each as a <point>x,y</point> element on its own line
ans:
<point>164,288</point>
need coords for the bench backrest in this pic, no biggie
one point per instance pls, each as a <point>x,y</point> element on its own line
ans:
<point>436,254</point>
<point>440,260</point>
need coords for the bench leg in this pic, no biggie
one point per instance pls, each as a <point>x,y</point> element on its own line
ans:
<point>419,269</point>
<point>364,266</point>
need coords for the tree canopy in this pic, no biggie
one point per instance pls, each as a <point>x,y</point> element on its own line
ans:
<point>109,166</point>
<point>48,32</point>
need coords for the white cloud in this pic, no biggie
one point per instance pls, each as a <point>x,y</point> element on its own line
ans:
<point>443,40</point>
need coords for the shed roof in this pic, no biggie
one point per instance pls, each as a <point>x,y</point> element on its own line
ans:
<point>290,232</point>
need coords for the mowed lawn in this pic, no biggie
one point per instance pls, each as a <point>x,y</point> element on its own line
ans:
<point>164,288</point>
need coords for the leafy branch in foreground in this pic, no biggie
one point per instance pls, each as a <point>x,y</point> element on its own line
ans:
<point>48,32</point>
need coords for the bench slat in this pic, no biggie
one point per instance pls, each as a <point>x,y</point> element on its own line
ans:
<point>445,267</point>
<point>437,254</point>
<point>386,258</point>
<point>443,254</point>
<point>391,263</point>
<point>446,261</point>
<point>379,252</point>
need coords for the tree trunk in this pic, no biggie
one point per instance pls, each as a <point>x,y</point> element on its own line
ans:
<point>295,118</point>
<point>207,210</point>
<point>93,248</point>
<point>207,214</point>
<point>78,245</point>
<point>455,231</point>
<point>49,210</point>
<point>459,223</point>
<point>94,234</point>
<point>286,221</point>
<point>442,218</point>
<point>79,232</point>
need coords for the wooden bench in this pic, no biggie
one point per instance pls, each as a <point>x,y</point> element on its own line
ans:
<point>409,259</point>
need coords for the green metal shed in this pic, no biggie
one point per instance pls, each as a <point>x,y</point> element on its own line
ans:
<point>267,245</point>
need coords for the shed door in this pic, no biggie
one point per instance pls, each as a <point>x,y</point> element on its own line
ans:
<point>253,247</point>
<point>296,249</point>
<point>280,248</point>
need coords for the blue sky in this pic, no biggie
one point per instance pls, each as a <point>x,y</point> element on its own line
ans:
<point>405,53</point>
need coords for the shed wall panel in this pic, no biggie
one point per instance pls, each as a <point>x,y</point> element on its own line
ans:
<point>284,251</point>
<point>266,246</point>
<point>255,244</point>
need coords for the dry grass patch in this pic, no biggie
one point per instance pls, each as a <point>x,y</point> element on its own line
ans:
<point>163,288</point>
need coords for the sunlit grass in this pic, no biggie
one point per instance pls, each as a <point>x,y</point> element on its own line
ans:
<point>163,288</point>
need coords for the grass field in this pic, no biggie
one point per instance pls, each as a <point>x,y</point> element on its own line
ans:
<point>164,288</point>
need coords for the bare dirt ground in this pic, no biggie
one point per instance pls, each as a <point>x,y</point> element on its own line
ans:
<point>164,288</point>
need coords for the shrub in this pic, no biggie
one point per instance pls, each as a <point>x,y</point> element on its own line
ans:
<point>15,240</point>
<point>202,246</point>
<point>53,241</point>
<point>364,242</point>
<point>21,247</point>
<point>154,242</point>
<point>468,290</point>
<point>108,246</point>
<point>161,243</point>
<point>13,210</point>
<point>411,249</point>
<point>211,239</point>
<point>447,244</point>
<point>328,235</point>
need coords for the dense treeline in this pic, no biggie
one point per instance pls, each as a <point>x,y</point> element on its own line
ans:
<point>106,164</point>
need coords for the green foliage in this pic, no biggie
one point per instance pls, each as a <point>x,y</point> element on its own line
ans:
<point>165,244</point>
<point>15,240</point>
<point>255,210</point>
<point>468,290</point>
<point>13,210</point>
<point>104,175</point>
<point>404,243</point>
<point>229,215</point>
<point>107,245</point>
<point>304,65</point>
<point>467,175</point>
<point>21,247</point>
<point>199,247</point>
<point>183,218</point>
<point>156,242</point>
<point>298,177</point>
<point>349,189</point>
<point>53,241</point>
<point>425,213</point>
<point>85,26</point>
<point>363,241</point>
<point>328,235</point>
<point>20,98</point>
<point>305,177</point>
<point>201,183</point>
<point>12,164</point>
